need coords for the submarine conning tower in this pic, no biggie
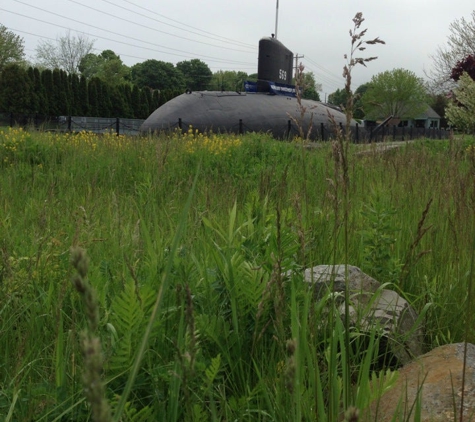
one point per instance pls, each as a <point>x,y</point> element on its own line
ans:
<point>275,63</point>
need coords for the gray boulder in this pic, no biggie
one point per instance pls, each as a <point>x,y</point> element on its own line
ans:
<point>432,383</point>
<point>371,305</point>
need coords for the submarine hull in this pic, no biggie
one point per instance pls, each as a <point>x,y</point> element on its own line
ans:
<point>233,112</point>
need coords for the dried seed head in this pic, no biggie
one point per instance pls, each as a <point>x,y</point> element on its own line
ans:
<point>291,346</point>
<point>80,261</point>
<point>352,414</point>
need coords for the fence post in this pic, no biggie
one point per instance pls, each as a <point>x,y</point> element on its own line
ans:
<point>289,128</point>
<point>11,119</point>
<point>322,128</point>
<point>240,127</point>
<point>117,126</point>
<point>357,134</point>
<point>69,123</point>
<point>179,123</point>
<point>394,133</point>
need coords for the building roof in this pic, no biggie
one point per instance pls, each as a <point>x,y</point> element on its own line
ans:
<point>428,114</point>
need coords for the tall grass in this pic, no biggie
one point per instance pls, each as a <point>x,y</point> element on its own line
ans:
<point>233,338</point>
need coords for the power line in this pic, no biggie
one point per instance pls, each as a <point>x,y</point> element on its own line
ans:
<point>193,27</point>
<point>30,33</point>
<point>213,37</point>
<point>327,77</point>
<point>153,29</point>
<point>122,42</point>
<point>331,75</point>
<point>322,78</point>
<point>324,81</point>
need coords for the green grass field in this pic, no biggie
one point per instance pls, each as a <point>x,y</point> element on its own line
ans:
<point>187,239</point>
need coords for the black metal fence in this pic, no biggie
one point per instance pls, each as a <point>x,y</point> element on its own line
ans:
<point>326,132</point>
<point>118,126</point>
<point>361,134</point>
<point>121,126</point>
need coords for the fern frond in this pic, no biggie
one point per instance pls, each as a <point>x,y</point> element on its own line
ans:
<point>127,317</point>
<point>199,414</point>
<point>212,371</point>
<point>143,415</point>
<point>131,414</point>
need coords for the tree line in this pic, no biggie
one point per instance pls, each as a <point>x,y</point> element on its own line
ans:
<point>55,92</point>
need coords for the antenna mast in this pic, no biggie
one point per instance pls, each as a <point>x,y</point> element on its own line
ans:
<point>276,18</point>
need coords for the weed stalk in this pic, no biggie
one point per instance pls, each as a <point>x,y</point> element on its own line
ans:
<point>342,177</point>
<point>91,345</point>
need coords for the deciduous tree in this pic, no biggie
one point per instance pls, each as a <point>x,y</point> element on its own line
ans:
<point>398,93</point>
<point>157,74</point>
<point>228,80</point>
<point>310,87</point>
<point>460,111</point>
<point>197,74</point>
<point>465,65</point>
<point>339,98</point>
<point>107,66</point>
<point>65,53</point>
<point>11,47</point>
<point>460,44</point>
<point>358,112</point>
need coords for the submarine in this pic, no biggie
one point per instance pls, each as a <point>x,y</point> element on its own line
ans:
<point>270,105</point>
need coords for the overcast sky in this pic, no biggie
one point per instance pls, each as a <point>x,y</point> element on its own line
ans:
<point>225,33</point>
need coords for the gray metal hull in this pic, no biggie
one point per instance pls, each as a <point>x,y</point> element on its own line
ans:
<point>232,112</point>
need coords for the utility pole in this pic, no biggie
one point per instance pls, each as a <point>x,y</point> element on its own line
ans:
<point>297,57</point>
